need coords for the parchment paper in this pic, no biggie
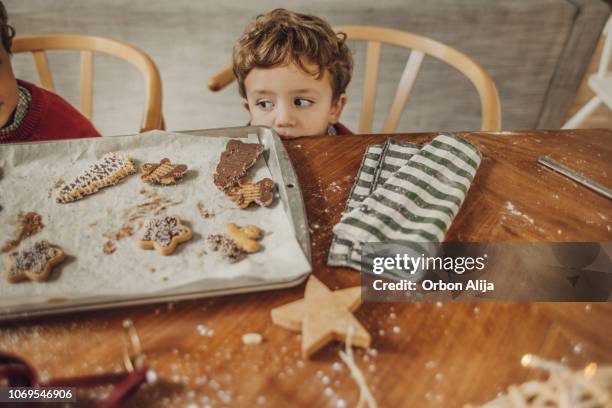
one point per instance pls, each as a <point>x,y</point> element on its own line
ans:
<point>29,173</point>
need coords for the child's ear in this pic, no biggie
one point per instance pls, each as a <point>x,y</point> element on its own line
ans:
<point>336,109</point>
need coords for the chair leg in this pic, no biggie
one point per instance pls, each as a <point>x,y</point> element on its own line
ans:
<point>582,114</point>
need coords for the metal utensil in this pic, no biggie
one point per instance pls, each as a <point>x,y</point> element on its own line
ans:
<point>574,175</point>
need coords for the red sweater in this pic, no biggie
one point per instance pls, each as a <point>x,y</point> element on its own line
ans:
<point>49,117</point>
<point>342,130</point>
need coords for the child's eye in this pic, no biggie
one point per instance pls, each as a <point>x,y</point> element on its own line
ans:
<point>302,102</point>
<point>265,104</point>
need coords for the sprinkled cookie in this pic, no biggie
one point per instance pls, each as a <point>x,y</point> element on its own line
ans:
<point>260,193</point>
<point>164,172</point>
<point>164,234</point>
<point>33,263</point>
<point>226,246</point>
<point>107,171</point>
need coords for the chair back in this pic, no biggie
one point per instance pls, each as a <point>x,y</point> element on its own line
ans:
<point>87,45</point>
<point>375,36</point>
<point>606,54</point>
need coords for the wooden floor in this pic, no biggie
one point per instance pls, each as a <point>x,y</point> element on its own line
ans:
<point>602,117</point>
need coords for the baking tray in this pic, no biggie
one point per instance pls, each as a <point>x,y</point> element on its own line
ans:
<point>290,197</point>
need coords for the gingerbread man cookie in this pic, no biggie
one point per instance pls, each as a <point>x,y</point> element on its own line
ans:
<point>163,173</point>
<point>245,237</point>
<point>260,193</point>
<point>164,234</point>
<point>33,263</point>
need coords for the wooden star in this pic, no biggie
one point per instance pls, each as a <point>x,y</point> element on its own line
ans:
<point>322,316</point>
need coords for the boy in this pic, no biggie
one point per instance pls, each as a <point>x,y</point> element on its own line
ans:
<point>29,113</point>
<point>292,72</point>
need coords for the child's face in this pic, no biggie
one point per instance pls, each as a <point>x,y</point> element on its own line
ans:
<point>291,101</point>
<point>8,88</point>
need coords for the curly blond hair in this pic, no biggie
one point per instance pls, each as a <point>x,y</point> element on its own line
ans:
<point>281,37</point>
<point>7,32</point>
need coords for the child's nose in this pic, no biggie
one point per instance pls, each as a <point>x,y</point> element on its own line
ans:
<point>284,117</point>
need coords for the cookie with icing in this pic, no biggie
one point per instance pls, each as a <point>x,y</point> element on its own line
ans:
<point>109,170</point>
<point>164,172</point>
<point>234,162</point>
<point>164,234</point>
<point>33,263</point>
<point>246,193</point>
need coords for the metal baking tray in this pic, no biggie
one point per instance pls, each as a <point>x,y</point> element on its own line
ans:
<point>290,196</point>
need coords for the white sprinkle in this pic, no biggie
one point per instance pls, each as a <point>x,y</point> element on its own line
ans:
<point>476,310</point>
<point>578,348</point>
<point>340,403</point>
<point>224,395</point>
<point>260,400</point>
<point>337,366</point>
<point>431,364</point>
<point>392,316</point>
<point>151,376</point>
<point>325,380</point>
<point>328,392</point>
<point>251,338</point>
<point>396,329</point>
<point>587,308</point>
<point>439,376</point>
<point>439,305</point>
<point>381,332</point>
<point>319,374</point>
<point>373,352</point>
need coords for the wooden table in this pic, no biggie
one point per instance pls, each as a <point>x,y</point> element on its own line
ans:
<point>423,354</point>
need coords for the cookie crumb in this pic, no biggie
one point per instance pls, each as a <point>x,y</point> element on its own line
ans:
<point>152,269</point>
<point>204,213</point>
<point>29,224</point>
<point>59,183</point>
<point>125,231</point>
<point>252,338</point>
<point>93,224</point>
<point>165,279</point>
<point>109,247</point>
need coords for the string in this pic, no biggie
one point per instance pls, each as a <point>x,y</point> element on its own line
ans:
<point>590,387</point>
<point>365,396</point>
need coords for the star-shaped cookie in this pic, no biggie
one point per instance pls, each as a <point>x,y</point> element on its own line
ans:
<point>323,315</point>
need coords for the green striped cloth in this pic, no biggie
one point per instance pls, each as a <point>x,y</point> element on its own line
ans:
<point>406,194</point>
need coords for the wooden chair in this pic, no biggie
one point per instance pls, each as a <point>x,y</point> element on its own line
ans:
<point>375,36</point>
<point>38,44</point>
<point>600,83</point>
